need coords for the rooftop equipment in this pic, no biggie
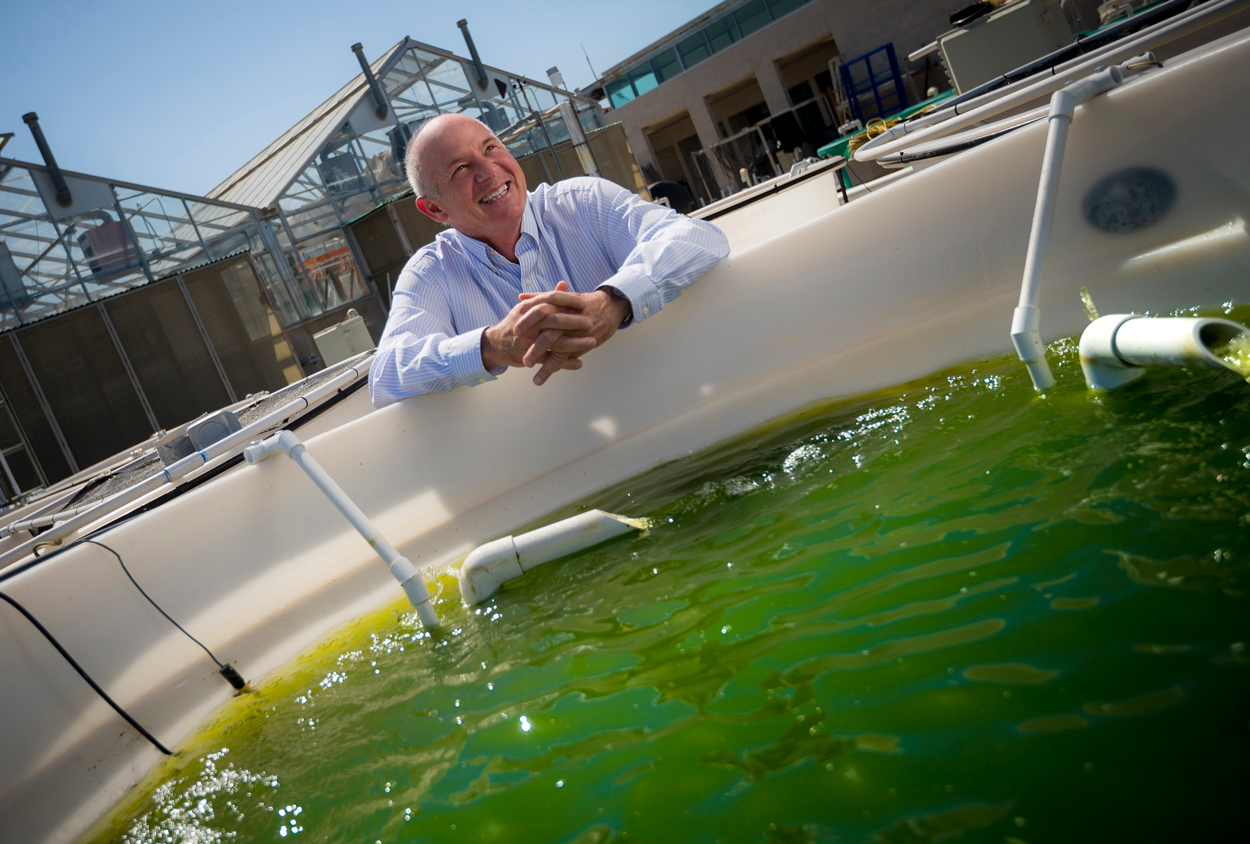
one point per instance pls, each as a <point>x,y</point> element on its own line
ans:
<point>1002,40</point>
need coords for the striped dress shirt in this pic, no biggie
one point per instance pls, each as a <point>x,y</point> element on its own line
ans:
<point>589,232</point>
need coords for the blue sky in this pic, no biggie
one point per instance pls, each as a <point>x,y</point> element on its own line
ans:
<point>180,94</point>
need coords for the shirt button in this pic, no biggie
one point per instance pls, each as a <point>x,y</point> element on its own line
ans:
<point>529,283</point>
<point>645,310</point>
<point>481,380</point>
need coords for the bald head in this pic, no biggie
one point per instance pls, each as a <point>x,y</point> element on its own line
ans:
<point>419,176</point>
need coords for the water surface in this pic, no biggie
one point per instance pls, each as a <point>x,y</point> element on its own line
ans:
<point>950,610</point>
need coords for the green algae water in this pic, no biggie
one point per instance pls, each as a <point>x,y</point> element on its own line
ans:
<point>952,610</point>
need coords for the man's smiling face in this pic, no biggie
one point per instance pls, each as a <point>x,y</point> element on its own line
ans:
<point>480,188</point>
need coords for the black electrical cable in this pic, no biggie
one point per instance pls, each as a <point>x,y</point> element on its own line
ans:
<point>82,673</point>
<point>225,669</point>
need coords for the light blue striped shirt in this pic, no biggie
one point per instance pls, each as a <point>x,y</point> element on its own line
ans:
<point>589,232</point>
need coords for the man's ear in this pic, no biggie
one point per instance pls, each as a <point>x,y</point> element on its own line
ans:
<point>430,208</point>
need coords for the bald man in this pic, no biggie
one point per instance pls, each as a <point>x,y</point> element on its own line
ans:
<point>523,278</point>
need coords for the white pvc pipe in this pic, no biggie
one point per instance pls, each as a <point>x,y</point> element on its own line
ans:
<point>1115,349</point>
<point>943,122</point>
<point>1026,319</point>
<point>492,565</point>
<point>403,570</point>
<point>175,473</point>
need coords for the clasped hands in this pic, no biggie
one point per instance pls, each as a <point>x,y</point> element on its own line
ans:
<point>553,329</point>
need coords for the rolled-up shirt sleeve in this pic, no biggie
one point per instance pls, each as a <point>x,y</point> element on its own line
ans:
<point>420,351</point>
<point>658,251</point>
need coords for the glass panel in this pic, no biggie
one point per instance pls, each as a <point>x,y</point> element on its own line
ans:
<point>308,304</point>
<point>36,274</point>
<point>280,290</point>
<point>665,65</point>
<point>620,92</point>
<point>694,49</point>
<point>167,353</point>
<point>752,16</point>
<point>332,272</point>
<point>721,33</point>
<point>784,7</point>
<point>103,252</point>
<point>643,79</point>
<point>86,385</point>
<point>225,230</point>
<point>163,227</point>
<point>242,327</point>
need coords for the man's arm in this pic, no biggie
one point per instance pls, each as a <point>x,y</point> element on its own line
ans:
<point>659,253</point>
<point>420,351</point>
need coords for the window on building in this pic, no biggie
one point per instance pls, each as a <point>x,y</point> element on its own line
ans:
<point>643,79</point>
<point>800,93</point>
<point>784,7</point>
<point>721,33</point>
<point>752,16</point>
<point>620,92</point>
<point>665,66</point>
<point>694,49</point>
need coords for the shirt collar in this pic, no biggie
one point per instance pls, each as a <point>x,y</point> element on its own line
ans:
<point>477,249</point>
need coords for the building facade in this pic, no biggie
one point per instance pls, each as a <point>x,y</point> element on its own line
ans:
<point>703,86</point>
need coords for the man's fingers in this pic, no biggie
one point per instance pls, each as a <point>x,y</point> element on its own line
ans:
<point>546,316</point>
<point>557,343</point>
<point>572,344</point>
<point>537,352</point>
<point>552,365</point>
<point>562,298</point>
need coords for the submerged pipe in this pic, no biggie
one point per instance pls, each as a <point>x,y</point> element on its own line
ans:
<point>492,565</point>
<point>380,106</point>
<point>1115,349</point>
<point>477,60</point>
<point>63,197</point>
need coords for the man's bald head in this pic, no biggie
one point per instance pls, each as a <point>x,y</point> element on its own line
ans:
<point>421,180</point>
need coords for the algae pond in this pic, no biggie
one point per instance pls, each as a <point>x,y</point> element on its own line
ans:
<point>951,610</point>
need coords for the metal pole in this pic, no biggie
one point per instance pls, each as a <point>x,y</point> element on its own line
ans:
<point>43,404</point>
<point>130,371</point>
<point>212,353</point>
<point>538,119</point>
<point>274,308</point>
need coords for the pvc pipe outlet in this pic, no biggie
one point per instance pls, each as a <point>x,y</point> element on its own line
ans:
<point>1115,349</point>
<point>403,570</point>
<point>492,565</point>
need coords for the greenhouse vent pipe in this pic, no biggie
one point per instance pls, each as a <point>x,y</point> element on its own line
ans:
<point>63,197</point>
<point>1026,319</point>
<point>1115,349</point>
<point>379,100</point>
<point>477,60</point>
<point>405,572</point>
